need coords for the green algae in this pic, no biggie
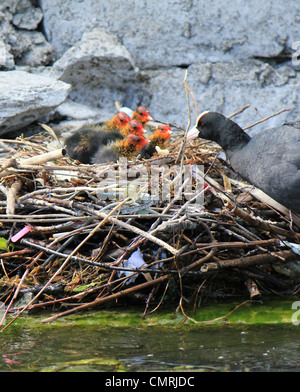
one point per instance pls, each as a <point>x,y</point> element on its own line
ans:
<point>250,313</point>
<point>253,336</point>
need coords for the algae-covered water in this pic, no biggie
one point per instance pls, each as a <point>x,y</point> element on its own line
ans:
<point>255,337</point>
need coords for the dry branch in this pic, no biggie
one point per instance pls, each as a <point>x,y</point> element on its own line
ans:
<point>42,158</point>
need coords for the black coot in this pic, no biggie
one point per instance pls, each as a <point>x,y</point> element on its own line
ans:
<point>269,160</point>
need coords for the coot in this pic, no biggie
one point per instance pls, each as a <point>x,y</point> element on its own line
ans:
<point>269,160</point>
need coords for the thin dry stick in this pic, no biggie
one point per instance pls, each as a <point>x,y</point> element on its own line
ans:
<point>266,118</point>
<point>42,158</point>
<point>246,261</point>
<point>19,287</point>
<point>116,221</point>
<point>238,111</point>
<point>194,100</point>
<point>15,253</point>
<point>226,315</point>
<point>182,147</point>
<point>109,298</point>
<point>219,192</point>
<point>11,197</point>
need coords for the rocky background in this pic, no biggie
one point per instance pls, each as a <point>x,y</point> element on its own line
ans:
<point>68,61</point>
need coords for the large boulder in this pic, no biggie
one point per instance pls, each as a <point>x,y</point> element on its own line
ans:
<point>99,68</point>
<point>25,97</point>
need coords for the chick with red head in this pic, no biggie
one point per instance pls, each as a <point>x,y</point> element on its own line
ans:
<point>159,138</point>
<point>86,141</point>
<point>133,127</point>
<point>142,115</point>
<point>127,147</point>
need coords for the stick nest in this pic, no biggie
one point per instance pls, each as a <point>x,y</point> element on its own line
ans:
<point>74,255</point>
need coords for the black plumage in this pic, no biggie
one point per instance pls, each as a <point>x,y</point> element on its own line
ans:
<point>84,143</point>
<point>269,160</point>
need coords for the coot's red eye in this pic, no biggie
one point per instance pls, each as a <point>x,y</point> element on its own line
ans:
<point>202,124</point>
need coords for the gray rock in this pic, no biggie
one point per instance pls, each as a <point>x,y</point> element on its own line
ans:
<point>167,33</point>
<point>25,97</point>
<point>15,6</point>
<point>29,19</point>
<point>77,111</point>
<point>225,87</point>
<point>6,29</point>
<point>31,48</point>
<point>19,44</point>
<point>6,58</point>
<point>99,68</point>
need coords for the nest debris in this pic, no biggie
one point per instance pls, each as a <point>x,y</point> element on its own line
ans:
<point>73,253</point>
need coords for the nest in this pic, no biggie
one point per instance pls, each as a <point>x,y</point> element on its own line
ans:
<point>77,236</point>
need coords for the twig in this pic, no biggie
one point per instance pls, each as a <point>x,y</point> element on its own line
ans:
<point>252,289</point>
<point>246,261</point>
<point>120,294</point>
<point>15,253</point>
<point>11,197</point>
<point>238,111</point>
<point>19,287</point>
<point>118,222</point>
<point>101,301</point>
<point>39,159</point>
<point>226,315</point>
<point>182,147</point>
<point>63,265</point>
<point>266,118</point>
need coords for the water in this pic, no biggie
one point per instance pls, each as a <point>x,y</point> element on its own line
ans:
<point>86,344</point>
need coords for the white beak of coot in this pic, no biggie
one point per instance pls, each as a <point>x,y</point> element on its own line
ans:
<point>192,134</point>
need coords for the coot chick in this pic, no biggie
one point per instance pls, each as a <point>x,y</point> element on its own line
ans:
<point>127,147</point>
<point>159,138</point>
<point>84,143</point>
<point>141,114</point>
<point>116,123</point>
<point>269,160</point>
<point>134,127</point>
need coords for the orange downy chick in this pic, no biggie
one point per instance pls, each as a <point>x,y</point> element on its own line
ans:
<point>141,114</point>
<point>159,138</point>
<point>117,123</point>
<point>134,127</point>
<point>127,147</point>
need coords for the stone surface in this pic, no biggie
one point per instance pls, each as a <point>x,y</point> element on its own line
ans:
<point>226,87</point>
<point>29,19</point>
<point>31,48</point>
<point>76,111</point>
<point>99,68</point>
<point>219,43</point>
<point>167,32</point>
<point>25,97</point>
<point>6,58</point>
<point>236,53</point>
<point>20,43</point>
